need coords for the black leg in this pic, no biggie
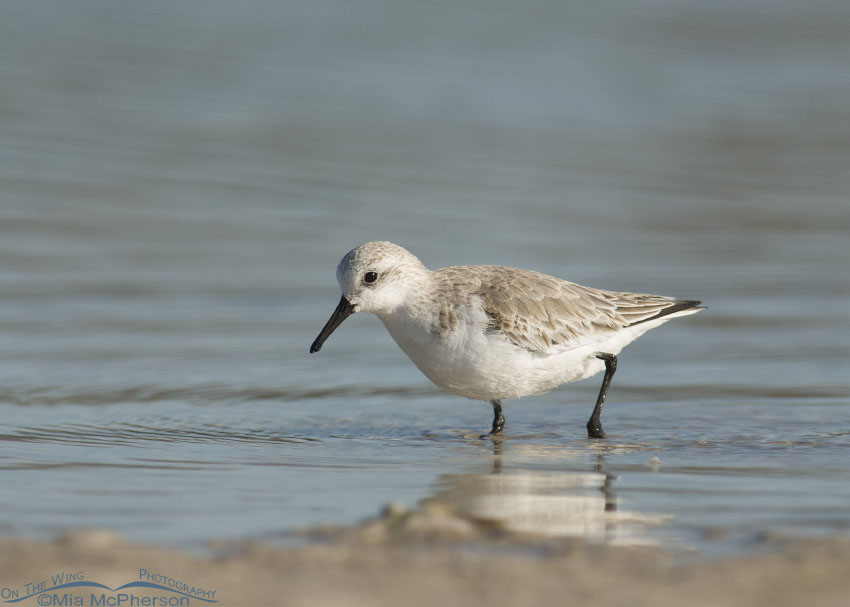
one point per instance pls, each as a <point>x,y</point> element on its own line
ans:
<point>594,424</point>
<point>498,418</point>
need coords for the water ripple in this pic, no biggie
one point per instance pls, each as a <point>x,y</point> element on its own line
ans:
<point>210,393</point>
<point>125,433</point>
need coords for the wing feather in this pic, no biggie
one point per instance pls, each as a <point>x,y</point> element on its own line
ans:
<point>540,312</point>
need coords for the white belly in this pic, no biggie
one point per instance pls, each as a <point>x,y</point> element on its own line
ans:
<point>483,365</point>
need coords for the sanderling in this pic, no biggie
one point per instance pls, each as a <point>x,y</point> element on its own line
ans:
<point>494,332</point>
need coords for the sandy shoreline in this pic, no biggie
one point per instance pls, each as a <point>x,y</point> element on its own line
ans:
<point>432,557</point>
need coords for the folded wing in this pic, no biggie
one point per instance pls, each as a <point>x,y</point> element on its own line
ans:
<point>541,313</point>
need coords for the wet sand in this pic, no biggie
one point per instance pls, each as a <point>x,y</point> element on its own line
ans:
<point>433,556</point>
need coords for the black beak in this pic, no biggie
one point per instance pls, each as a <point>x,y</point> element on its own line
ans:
<point>343,311</point>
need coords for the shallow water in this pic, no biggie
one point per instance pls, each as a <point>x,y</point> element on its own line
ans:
<point>178,190</point>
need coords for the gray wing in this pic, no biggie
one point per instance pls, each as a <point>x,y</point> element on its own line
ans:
<point>537,312</point>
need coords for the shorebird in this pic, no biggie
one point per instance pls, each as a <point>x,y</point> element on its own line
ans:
<point>494,332</point>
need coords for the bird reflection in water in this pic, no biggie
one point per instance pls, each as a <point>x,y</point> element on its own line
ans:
<point>544,501</point>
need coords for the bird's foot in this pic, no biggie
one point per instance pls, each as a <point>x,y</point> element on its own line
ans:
<point>594,430</point>
<point>494,433</point>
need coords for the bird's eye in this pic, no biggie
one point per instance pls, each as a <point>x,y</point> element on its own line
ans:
<point>370,277</point>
